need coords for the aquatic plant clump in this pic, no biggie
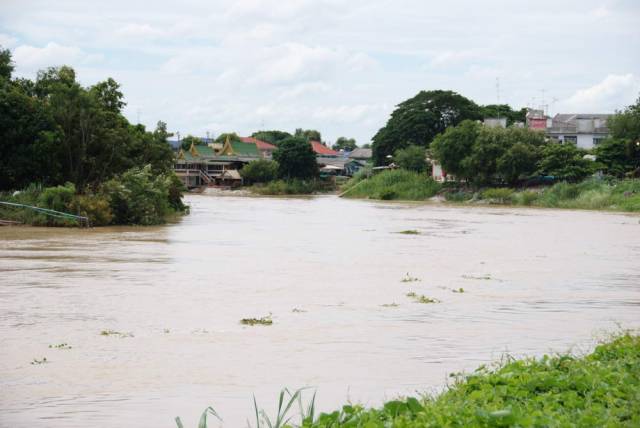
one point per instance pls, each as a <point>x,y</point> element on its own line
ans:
<point>421,298</point>
<point>409,278</point>
<point>257,321</point>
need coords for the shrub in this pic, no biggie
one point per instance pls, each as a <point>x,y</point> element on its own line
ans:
<point>95,207</point>
<point>526,197</point>
<point>57,198</point>
<point>458,196</point>
<point>395,184</point>
<point>136,197</point>
<point>260,171</point>
<point>498,195</point>
<point>412,158</point>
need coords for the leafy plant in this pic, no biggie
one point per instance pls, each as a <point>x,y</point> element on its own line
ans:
<point>420,298</point>
<point>257,321</point>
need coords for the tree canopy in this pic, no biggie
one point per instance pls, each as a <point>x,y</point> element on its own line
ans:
<point>296,159</point>
<point>418,120</point>
<point>308,134</point>
<point>344,143</point>
<point>412,158</point>
<point>54,130</point>
<point>273,137</point>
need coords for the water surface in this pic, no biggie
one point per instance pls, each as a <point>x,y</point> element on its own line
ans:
<point>535,281</point>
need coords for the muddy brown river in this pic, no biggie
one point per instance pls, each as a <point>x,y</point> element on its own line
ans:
<point>329,271</point>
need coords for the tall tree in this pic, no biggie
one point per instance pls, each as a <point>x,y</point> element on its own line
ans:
<point>308,134</point>
<point>296,159</point>
<point>273,137</point>
<point>344,143</point>
<point>419,119</point>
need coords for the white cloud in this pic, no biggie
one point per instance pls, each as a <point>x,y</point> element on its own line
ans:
<point>137,31</point>
<point>53,54</point>
<point>7,41</point>
<point>448,58</point>
<point>614,92</point>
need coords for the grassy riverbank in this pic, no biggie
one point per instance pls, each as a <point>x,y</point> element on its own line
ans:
<point>292,187</point>
<point>599,389</point>
<point>592,194</point>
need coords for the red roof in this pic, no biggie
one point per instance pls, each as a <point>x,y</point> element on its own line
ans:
<point>321,149</point>
<point>260,145</point>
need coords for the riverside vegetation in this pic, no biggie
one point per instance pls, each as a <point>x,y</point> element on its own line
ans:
<point>599,389</point>
<point>69,148</point>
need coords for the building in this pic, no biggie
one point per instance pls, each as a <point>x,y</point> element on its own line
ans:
<point>584,130</point>
<point>322,150</point>
<point>265,149</point>
<point>361,154</point>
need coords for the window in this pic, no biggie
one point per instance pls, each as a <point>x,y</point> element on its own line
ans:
<point>571,139</point>
<point>597,140</point>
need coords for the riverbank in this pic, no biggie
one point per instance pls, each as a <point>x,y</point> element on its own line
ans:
<point>591,194</point>
<point>136,197</point>
<point>599,389</point>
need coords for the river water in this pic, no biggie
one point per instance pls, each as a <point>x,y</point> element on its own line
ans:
<point>534,281</point>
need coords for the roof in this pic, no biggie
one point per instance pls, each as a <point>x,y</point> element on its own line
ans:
<point>261,145</point>
<point>579,123</point>
<point>239,148</point>
<point>199,152</point>
<point>321,149</point>
<point>361,153</point>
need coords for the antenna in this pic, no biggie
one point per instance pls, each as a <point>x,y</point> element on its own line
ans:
<point>498,95</point>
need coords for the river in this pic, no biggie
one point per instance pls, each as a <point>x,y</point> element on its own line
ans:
<point>534,281</point>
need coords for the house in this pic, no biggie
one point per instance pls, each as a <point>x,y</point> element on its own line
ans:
<point>201,165</point>
<point>322,150</point>
<point>584,130</point>
<point>332,165</point>
<point>265,149</point>
<point>361,154</point>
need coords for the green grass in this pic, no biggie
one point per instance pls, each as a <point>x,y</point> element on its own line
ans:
<point>397,184</point>
<point>292,187</point>
<point>601,389</point>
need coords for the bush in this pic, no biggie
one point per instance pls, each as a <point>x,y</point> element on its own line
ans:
<point>394,184</point>
<point>412,158</point>
<point>458,196</point>
<point>260,171</point>
<point>136,197</point>
<point>57,198</point>
<point>498,195</point>
<point>290,187</point>
<point>526,197</point>
<point>95,207</point>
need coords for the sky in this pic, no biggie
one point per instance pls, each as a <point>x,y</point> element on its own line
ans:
<point>339,67</point>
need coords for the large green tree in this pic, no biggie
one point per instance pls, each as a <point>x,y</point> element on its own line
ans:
<point>620,154</point>
<point>308,134</point>
<point>344,143</point>
<point>504,111</point>
<point>452,147</point>
<point>296,159</point>
<point>273,137</point>
<point>412,158</point>
<point>419,119</point>
<point>565,162</point>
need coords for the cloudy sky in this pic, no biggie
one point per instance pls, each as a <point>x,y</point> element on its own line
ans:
<point>336,66</point>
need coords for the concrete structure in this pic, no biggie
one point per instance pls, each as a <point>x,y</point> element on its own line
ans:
<point>495,122</point>
<point>585,130</point>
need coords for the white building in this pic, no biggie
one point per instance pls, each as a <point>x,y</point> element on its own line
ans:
<point>585,130</point>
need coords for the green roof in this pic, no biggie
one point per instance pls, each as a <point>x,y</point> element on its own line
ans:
<point>244,149</point>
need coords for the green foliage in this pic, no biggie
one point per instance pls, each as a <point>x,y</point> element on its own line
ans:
<point>344,143</point>
<point>458,196</point>
<point>411,158</point>
<point>498,196</point>
<point>139,197</point>
<point>6,64</point>
<point>393,184</point>
<point>94,207</point>
<point>57,198</point>
<point>296,159</point>
<point>222,138</point>
<point>259,171</point>
<point>526,198</point>
<point>308,134</point>
<point>291,187</point>
<point>485,156</point>
<point>618,156</point>
<point>272,137</point>
<point>419,119</point>
<point>54,131</point>
<point>257,321</point>
<point>452,147</point>
<point>504,111</point>
<point>600,389</point>
<point>186,142</point>
<point>626,124</point>
<point>565,162</point>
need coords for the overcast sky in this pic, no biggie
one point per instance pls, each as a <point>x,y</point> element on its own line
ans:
<point>336,66</point>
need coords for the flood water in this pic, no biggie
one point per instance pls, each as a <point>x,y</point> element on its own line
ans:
<point>534,281</point>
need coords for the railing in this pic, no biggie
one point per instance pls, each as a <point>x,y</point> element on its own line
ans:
<point>52,213</point>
